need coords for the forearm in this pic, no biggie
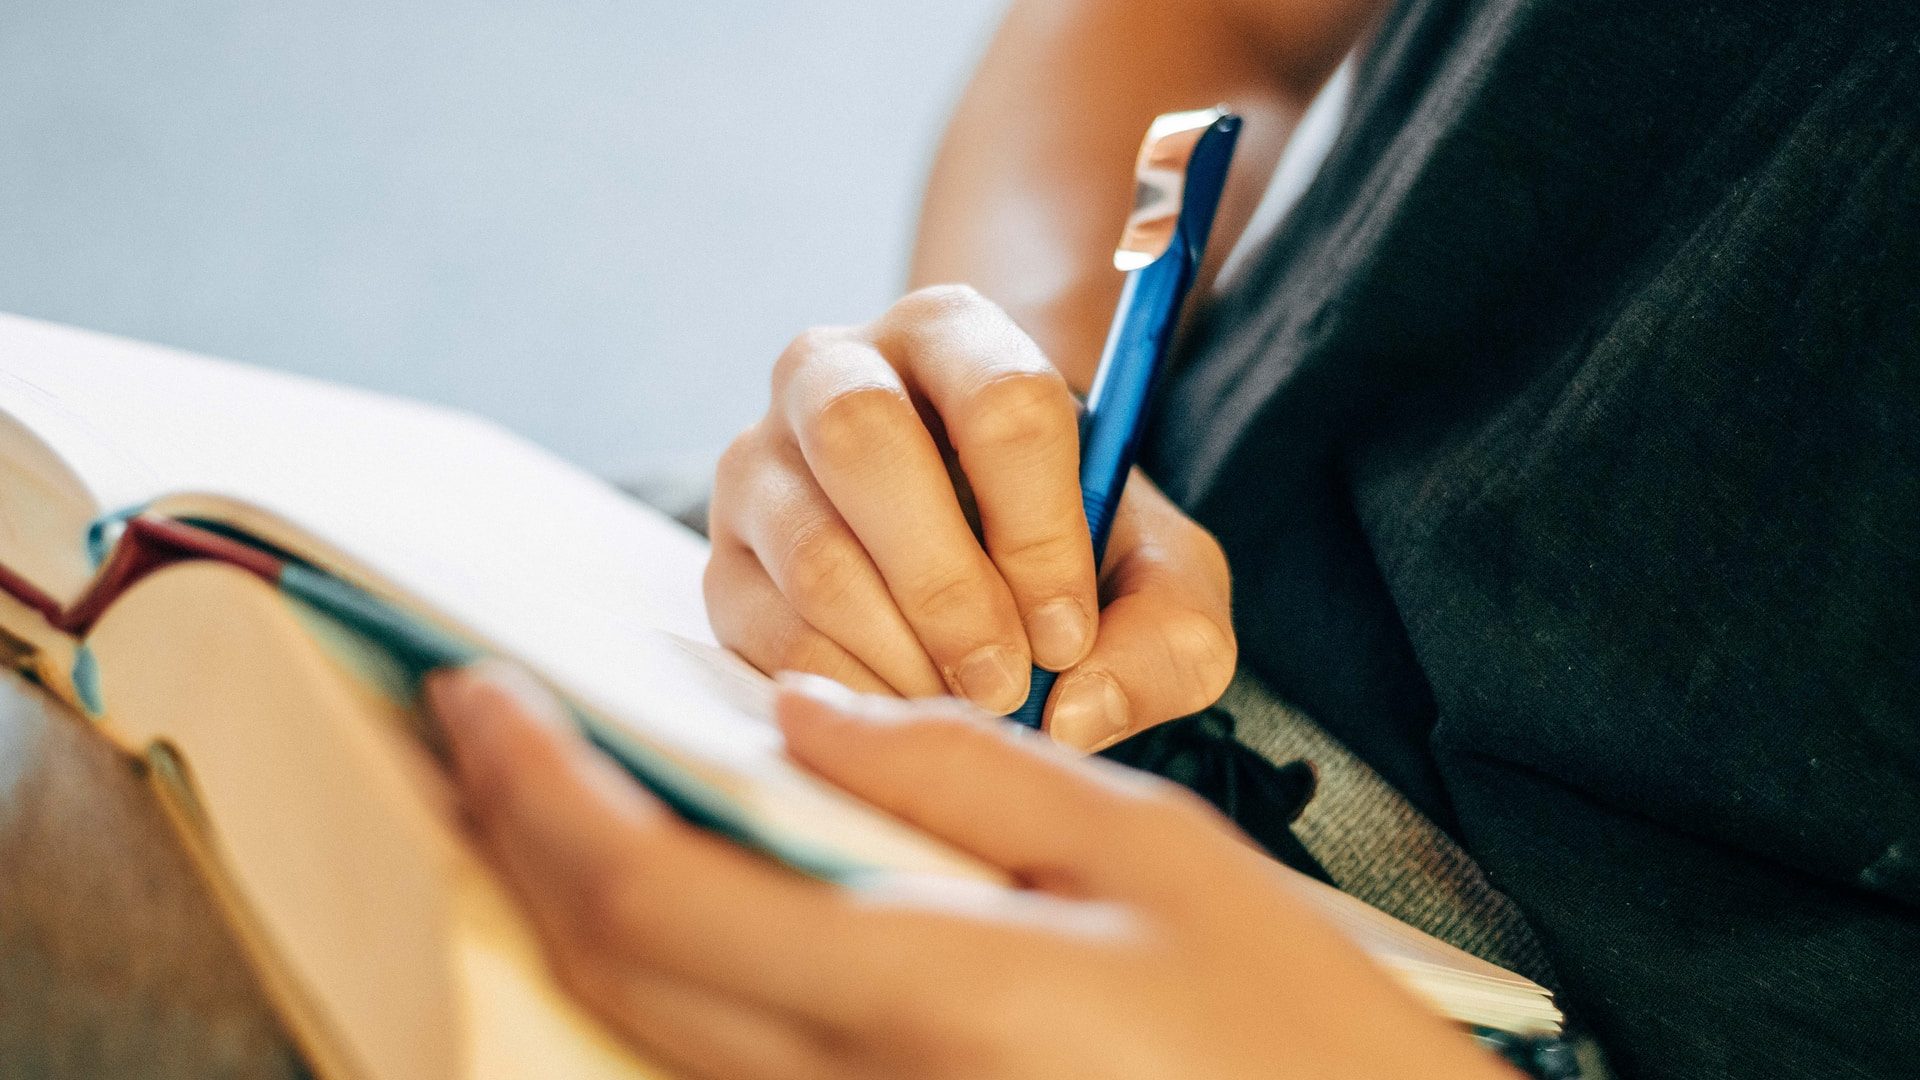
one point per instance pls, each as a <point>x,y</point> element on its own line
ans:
<point>1034,176</point>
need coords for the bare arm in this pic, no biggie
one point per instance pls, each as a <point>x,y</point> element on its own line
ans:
<point>1033,179</point>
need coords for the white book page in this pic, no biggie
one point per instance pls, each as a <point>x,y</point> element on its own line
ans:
<point>453,517</point>
<point>439,501</point>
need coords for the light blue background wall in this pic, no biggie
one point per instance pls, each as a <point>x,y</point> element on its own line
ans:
<point>596,221</point>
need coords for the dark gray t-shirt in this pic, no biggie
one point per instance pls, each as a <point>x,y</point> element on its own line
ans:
<point>1565,442</point>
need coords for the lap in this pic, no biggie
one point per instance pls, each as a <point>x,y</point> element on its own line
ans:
<point>113,961</point>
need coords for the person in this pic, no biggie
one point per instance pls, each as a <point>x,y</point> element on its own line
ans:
<point>1556,455</point>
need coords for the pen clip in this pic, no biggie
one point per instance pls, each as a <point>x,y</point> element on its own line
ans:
<point>1179,171</point>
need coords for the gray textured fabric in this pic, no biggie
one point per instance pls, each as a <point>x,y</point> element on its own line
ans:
<point>1377,847</point>
<point>1374,845</point>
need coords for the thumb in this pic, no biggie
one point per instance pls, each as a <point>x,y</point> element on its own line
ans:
<point>994,789</point>
<point>1165,646</point>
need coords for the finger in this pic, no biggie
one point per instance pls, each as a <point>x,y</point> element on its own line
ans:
<point>603,868</point>
<point>1005,795</point>
<point>873,456</point>
<point>694,1031</point>
<point>771,504</point>
<point>751,616</point>
<point>1165,647</point>
<point>1012,421</point>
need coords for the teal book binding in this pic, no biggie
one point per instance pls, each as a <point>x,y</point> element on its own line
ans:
<point>128,545</point>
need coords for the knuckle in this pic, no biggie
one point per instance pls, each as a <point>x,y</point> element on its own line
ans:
<point>815,571</point>
<point>806,650</point>
<point>1054,555</point>
<point>1022,411</point>
<point>949,599</point>
<point>935,302</point>
<point>801,352</point>
<point>860,421</point>
<point>741,456</point>
<point>1202,651</point>
<point>733,473</point>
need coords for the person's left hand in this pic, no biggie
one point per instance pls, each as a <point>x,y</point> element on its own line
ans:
<point>1143,937</point>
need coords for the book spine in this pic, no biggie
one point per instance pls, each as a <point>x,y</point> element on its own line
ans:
<point>145,544</point>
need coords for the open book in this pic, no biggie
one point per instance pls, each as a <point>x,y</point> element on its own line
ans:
<point>240,575</point>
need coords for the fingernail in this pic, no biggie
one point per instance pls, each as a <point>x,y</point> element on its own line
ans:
<point>1058,632</point>
<point>1088,711</point>
<point>994,678</point>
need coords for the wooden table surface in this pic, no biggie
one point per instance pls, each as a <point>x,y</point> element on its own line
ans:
<point>112,961</point>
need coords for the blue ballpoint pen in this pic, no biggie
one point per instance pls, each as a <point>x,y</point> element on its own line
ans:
<point>1177,182</point>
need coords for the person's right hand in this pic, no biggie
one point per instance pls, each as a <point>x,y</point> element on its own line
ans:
<point>906,518</point>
